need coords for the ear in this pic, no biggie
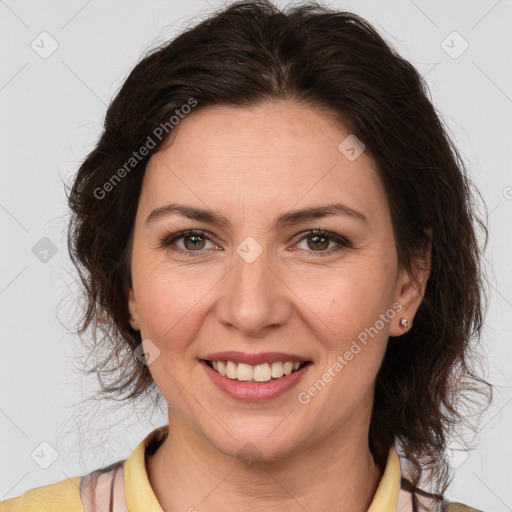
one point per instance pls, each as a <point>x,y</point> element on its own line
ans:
<point>410,288</point>
<point>133,309</point>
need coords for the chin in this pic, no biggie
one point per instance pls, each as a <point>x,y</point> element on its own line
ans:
<point>252,445</point>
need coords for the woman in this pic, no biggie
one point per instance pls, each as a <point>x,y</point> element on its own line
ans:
<point>275,232</point>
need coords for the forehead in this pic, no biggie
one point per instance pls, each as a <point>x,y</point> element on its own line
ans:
<point>278,130</point>
<point>275,155</point>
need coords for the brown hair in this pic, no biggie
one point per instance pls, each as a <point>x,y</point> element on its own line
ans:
<point>251,52</point>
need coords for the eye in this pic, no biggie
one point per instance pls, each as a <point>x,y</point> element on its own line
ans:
<point>193,241</point>
<point>320,240</point>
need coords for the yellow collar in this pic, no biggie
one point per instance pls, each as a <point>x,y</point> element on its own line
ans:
<point>141,498</point>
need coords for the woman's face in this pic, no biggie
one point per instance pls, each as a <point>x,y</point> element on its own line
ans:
<point>258,283</point>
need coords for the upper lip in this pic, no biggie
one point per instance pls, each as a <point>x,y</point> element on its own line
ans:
<point>254,359</point>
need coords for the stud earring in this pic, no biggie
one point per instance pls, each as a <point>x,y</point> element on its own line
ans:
<point>403,323</point>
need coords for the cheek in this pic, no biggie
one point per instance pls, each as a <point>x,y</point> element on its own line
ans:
<point>170,298</point>
<point>345,302</point>
<point>343,319</point>
<point>352,324</point>
<point>170,307</point>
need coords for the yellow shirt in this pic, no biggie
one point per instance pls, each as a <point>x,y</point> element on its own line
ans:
<point>133,493</point>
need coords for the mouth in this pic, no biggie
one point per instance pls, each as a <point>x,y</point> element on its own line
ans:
<point>264,372</point>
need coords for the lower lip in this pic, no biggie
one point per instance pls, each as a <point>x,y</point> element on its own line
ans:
<point>255,391</point>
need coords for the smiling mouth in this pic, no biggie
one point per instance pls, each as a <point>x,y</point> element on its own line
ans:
<point>265,372</point>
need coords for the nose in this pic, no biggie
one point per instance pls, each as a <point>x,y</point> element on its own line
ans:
<point>254,297</point>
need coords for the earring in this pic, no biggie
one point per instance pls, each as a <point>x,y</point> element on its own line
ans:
<point>403,323</point>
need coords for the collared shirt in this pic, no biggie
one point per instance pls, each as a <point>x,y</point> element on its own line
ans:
<point>124,487</point>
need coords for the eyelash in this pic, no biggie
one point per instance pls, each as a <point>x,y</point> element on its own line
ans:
<point>171,238</point>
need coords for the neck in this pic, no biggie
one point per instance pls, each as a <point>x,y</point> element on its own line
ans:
<point>338,473</point>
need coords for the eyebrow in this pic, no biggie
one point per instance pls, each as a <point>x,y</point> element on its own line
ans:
<point>286,219</point>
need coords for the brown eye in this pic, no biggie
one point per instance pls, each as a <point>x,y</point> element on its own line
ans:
<point>187,242</point>
<point>318,241</point>
<point>193,242</point>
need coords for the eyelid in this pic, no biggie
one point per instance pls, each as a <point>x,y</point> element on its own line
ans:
<point>320,232</point>
<point>342,242</point>
<point>170,238</point>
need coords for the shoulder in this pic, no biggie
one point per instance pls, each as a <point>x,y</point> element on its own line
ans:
<point>95,489</point>
<point>459,507</point>
<point>63,496</point>
<point>411,496</point>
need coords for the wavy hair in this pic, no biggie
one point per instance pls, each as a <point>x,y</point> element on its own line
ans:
<point>250,52</point>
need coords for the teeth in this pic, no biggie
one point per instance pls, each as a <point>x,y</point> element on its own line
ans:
<point>287,367</point>
<point>244,372</point>
<point>231,370</point>
<point>258,373</point>
<point>262,373</point>
<point>277,370</point>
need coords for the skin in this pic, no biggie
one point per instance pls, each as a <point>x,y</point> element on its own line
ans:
<point>251,165</point>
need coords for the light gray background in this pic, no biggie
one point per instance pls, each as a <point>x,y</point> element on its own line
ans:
<point>52,112</point>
